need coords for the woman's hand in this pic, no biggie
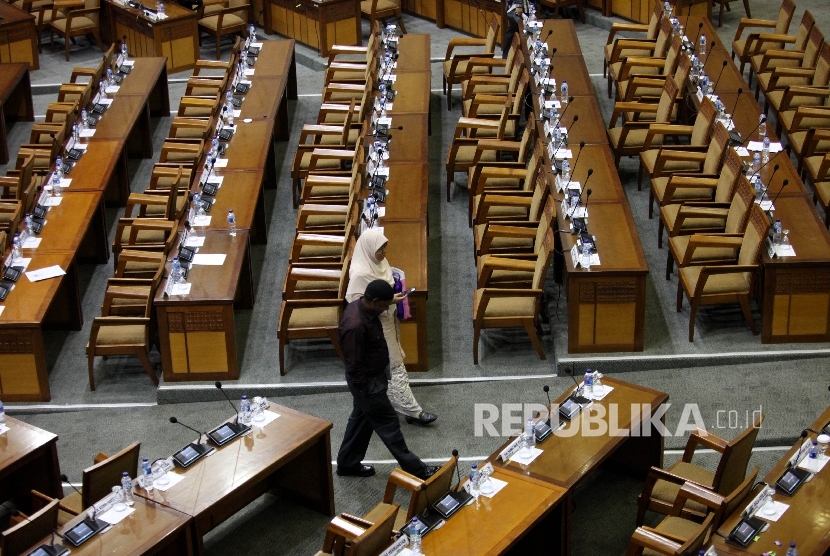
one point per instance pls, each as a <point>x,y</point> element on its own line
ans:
<point>398,297</point>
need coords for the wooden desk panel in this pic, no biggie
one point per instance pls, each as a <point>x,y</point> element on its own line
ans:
<point>414,53</point>
<point>291,456</point>
<point>604,183</point>
<point>28,460</point>
<point>413,92</point>
<point>196,331</point>
<point>563,39</point>
<point>18,36</point>
<point>410,143</point>
<point>80,217</point>
<point>249,147</point>
<point>176,37</point>
<point>407,199</point>
<point>317,23</point>
<point>573,70</point>
<point>15,100</point>
<point>242,192</point>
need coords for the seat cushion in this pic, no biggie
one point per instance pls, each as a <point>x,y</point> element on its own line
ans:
<point>659,186</point>
<point>230,20</point>
<point>648,159</point>
<point>143,236</point>
<point>320,164</point>
<point>316,251</point>
<point>717,283</point>
<point>77,23</point>
<point>680,244</point>
<point>505,307</point>
<point>381,6</point>
<point>678,528</point>
<point>666,492</point>
<point>130,334</point>
<point>314,317</point>
<point>460,68</point>
<point>670,213</point>
<point>212,9</point>
<point>466,153</point>
<point>635,138</point>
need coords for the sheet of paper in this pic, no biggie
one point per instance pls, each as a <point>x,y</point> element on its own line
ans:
<point>209,259</point>
<point>267,417</point>
<point>113,516</point>
<point>194,241</point>
<point>759,146</point>
<point>216,180</point>
<point>385,121</point>
<point>112,89</point>
<point>202,221</point>
<point>22,262</point>
<point>553,103</point>
<point>87,132</point>
<point>181,289</point>
<point>381,212</point>
<point>562,154</point>
<point>741,151</point>
<point>250,71</point>
<point>221,163</point>
<point>128,63</point>
<point>2,308</point>
<point>105,101</point>
<point>497,484</point>
<point>784,251</point>
<point>172,480</point>
<point>45,273</point>
<point>32,242</point>
<point>526,461</point>
<point>4,429</point>
<point>813,465</point>
<point>775,509</point>
<point>256,45</point>
<point>237,113</point>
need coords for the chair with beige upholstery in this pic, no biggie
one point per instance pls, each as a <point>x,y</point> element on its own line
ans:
<point>381,10</point>
<point>642,76</point>
<point>745,49</point>
<point>422,492</point>
<point>818,168</point>
<point>648,542</point>
<point>661,488</point>
<point>154,234</point>
<point>615,51</point>
<point>764,65</point>
<point>455,64</point>
<point>30,530</point>
<point>127,297</point>
<point>513,307</point>
<point>655,50</point>
<point>349,535</point>
<point>806,127</point>
<point>789,88</point>
<point>78,22</point>
<point>233,19</point>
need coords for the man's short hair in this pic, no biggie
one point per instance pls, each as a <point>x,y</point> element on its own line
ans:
<point>379,290</point>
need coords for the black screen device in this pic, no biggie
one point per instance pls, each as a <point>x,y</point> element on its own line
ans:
<point>253,51</point>
<point>427,523</point>
<point>791,480</point>
<point>237,102</point>
<point>380,195</point>
<point>542,431</point>
<point>588,239</point>
<point>745,531</point>
<point>117,78</point>
<point>37,227</point>
<point>251,60</point>
<point>4,291</point>
<point>241,88</point>
<point>210,189</point>
<point>99,108</point>
<point>226,134</point>
<point>378,182</point>
<point>186,254</point>
<point>579,225</point>
<point>381,131</point>
<point>447,506</point>
<point>207,205</point>
<point>92,120</point>
<point>73,154</point>
<point>569,409</point>
<point>226,432</point>
<point>49,550</point>
<point>12,273</point>
<point>83,531</point>
<point>125,69</point>
<point>190,454</point>
<point>39,211</point>
<point>735,139</point>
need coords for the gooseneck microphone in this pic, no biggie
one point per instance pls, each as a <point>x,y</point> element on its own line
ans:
<point>588,177</point>
<point>699,29</point>
<point>737,100</point>
<point>762,120</point>
<point>784,184</point>
<point>219,387</point>
<point>711,49</point>
<point>723,67</point>
<point>457,472</point>
<point>198,438</point>
<point>573,170</point>
<point>587,198</point>
<point>546,389</point>
<point>65,479</point>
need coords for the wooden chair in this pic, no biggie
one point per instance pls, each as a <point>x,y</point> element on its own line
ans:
<point>513,308</point>
<point>31,530</point>
<point>11,213</point>
<point>331,162</point>
<point>206,86</point>
<point>732,283</point>
<point>200,107</point>
<point>154,234</point>
<point>190,128</point>
<point>334,188</point>
<point>327,248</point>
<point>233,19</point>
<point>43,13</point>
<point>764,65</point>
<point>490,106</point>
<point>422,492</point>
<point>182,152</point>
<point>647,542</point>
<point>725,4</point>
<point>165,182</point>
<point>137,263</point>
<point>722,216</point>
<point>765,42</point>
<point>642,76</point>
<point>745,49</point>
<point>348,535</point>
<point>315,280</point>
<point>805,127</point>
<point>455,65</point>
<point>789,88</point>
<point>819,170</point>
<point>655,49</point>
<point>476,81</point>
<point>17,181</point>
<point>4,240</point>
<point>650,30</point>
<point>97,481</point>
<point>78,22</point>
<point>77,92</point>
<point>93,75</point>
<point>381,10</point>
<point>662,487</point>
<point>127,297</point>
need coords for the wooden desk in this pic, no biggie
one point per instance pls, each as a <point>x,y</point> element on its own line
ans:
<point>528,516</point>
<point>79,225</point>
<point>290,457</point>
<point>317,23</point>
<point>572,69</point>
<point>470,16</point>
<point>805,522</point>
<point>28,460</point>
<point>640,10</point>
<point>18,36</point>
<point>176,37</point>
<point>30,307</point>
<point>245,196</point>
<point>15,100</point>
<point>153,529</point>
<point>196,331</point>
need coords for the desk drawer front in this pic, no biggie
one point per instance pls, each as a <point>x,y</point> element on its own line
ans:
<point>801,306</point>
<point>18,364</point>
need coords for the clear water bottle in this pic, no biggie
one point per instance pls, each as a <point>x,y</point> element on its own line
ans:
<point>599,389</point>
<point>475,479</point>
<point>214,146</point>
<point>792,551</point>
<point>252,32</point>
<point>765,150</point>
<point>554,116</point>
<point>703,83</point>
<point>756,162</point>
<point>415,537</point>
<point>124,46</point>
<point>229,116</point>
<point>667,9</point>
<point>566,171</point>
<point>231,223</point>
<point>586,256</point>
<point>758,185</point>
<point>564,89</point>
<point>245,410</point>
<point>109,76</point>
<point>160,8</point>
<point>176,272</point>
<point>102,90</point>
<point>30,232</point>
<point>59,166</point>
<point>382,89</point>
<point>198,206</point>
<point>127,487</point>
<point>147,474</point>
<point>84,119</point>
<point>17,248</point>
<point>814,450</point>
<point>776,232</point>
<point>762,125</point>
<point>2,414</point>
<point>56,184</point>
<point>530,435</point>
<point>76,132</point>
<point>557,136</point>
<point>702,49</point>
<point>588,380</point>
<point>229,100</point>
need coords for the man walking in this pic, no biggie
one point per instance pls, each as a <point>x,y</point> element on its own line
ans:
<point>515,10</point>
<point>367,375</point>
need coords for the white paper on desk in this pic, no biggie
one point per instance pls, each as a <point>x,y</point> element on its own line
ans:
<point>221,163</point>
<point>741,151</point>
<point>194,241</point>
<point>172,480</point>
<point>779,507</point>
<point>2,307</point>
<point>3,428</point>
<point>268,417</point>
<point>784,251</point>
<point>113,516</point>
<point>563,154</point>
<point>128,63</point>
<point>161,16</point>
<point>526,461</point>
<point>202,221</point>
<point>595,396</point>
<point>112,89</point>
<point>87,132</point>
<point>80,146</point>
<point>45,273</point>
<point>813,465</point>
<point>32,242</point>
<point>209,259</point>
<point>381,212</point>
<point>22,262</point>
<point>553,103</point>
<point>759,146</point>
<point>700,95</point>
<point>579,212</point>
<point>237,113</point>
<point>105,101</point>
<point>66,182</point>
<point>249,71</point>
<point>386,120</point>
<point>217,180</point>
<point>256,45</point>
<point>498,484</point>
<point>181,289</point>
<point>382,171</point>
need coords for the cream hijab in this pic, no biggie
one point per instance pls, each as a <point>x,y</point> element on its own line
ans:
<point>365,268</point>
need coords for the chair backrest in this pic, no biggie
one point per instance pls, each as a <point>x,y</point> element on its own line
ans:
<point>28,532</point>
<point>434,488</point>
<point>540,192</point>
<point>733,463</point>
<point>717,148</point>
<point>704,120</point>
<point>548,214</point>
<point>654,21</point>
<point>4,238</point>
<point>804,30</point>
<point>533,166</point>
<point>813,48</point>
<point>666,103</point>
<point>732,167</point>
<point>661,43</point>
<point>821,76</point>
<point>673,55</point>
<point>492,35</point>
<point>681,74</point>
<point>542,260</point>
<point>99,479</point>
<point>696,541</point>
<point>737,497</point>
<point>526,142</point>
<point>374,539</point>
<point>785,16</point>
<point>756,232</point>
<point>739,207</point>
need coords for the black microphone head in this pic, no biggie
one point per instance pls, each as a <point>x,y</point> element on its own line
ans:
<point>571,99</point>
<point>740,91</point>
<point>590,191</point>
<point>784,183</point>
<point>218,384</point>
<point>590,171</point>
<point>190,196</point>
<point>187,224</point>
<point>576,117</point>
<point>64,478</point>
<point>455,453</point>
<point>582,144</point>
<point>725,62</point>
<point>803,435</point>
<point>699,25</point>
<point>546,388</point>
<point>554,50</point>
<point>173,420</point>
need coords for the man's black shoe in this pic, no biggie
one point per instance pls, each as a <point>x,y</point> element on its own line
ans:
<point>361,471</point>
<point>423,419</point>
<point>430,471</point>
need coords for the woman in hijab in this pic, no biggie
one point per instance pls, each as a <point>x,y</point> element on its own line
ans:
<point>369,263</point>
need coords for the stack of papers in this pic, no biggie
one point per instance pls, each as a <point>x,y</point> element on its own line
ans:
<point>209,259</point>
<point>45,273</point>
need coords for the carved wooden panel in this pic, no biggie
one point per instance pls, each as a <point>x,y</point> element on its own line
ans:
<point>205,321</point>
<point>17,342</point>
<point>802,283</point>
<point>175,322</point>
<point>616,292</point>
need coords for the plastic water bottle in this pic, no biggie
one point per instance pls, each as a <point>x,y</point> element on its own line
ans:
<point>814,450</point>
<point>756,162</point>
<point>667,9</point>
<point>252,32</point>
<point>2,414</point>
<point>415,537</point>
<point>557,136</point>
<point>17,248</point>
<point>102,90</point>
<point>127,487</point>
<point>124,46</point>
<point>702,50</point>
<point>554,116</point>
<point>792,551</point>
<point>160,8</point>
<point>229,116</point>
<point>30,232</point>
<point>197,203</point>
<point>599,389</point>
<point>176,272</point>
<point>475,479</point>
<point>147,474</point>
<point>564,89</point>
<point>231,223</point>
<point>589,382</point>
<point>76,132</point>
<point>765,150</point>
<point>109,76</point>
<point>229,100</point>
<point>566,171</point>
<point>530,434</point>
<point>84,119</point>
<point>762,125</point>
<point>56,184</point>
<point>214,146</point>
<point>586,256</point>
<point>759,188</point>
<point>776,232</point>
<point>245,410</point>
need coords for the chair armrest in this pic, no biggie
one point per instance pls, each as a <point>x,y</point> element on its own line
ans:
<point>748,22</point>
<point>696,493</point>
<point>702,437</point>
<point>646,538</point>
<point>400,478</point>
<point>625,27</point>
<point>502,263</point>
<point>655,130</point>
<point>462,41</point>
<point>630,44</point>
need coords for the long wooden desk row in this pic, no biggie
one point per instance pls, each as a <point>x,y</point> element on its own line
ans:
<point>76,231</point>
<point>15,100</point>
<point>606,304</point>
<point>197,332</point>
<point>795,304</point>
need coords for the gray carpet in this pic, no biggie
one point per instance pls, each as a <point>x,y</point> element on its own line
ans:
<point>791,389</point>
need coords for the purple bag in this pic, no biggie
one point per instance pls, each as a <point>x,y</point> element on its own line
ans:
<point>400,285</point>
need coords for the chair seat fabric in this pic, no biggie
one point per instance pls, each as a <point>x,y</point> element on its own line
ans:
<point>503,242</point>
<point>681,193</point>
<point>717,283</point>
<point>381,6</point>
<point>130,334</point>
<point>666,491</point>
<point>230,20</point>
<point>77,23</point>
<point>505,307</point>
<point>143,236</point>
<point>313,317</point>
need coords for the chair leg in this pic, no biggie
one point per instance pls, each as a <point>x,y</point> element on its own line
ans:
<point>444,84</point>
<point>534,338</point>
<point>91,371</point>
<point>746,7</point>
<point>295,192</point>
<point>679,291</point>
<point>720,20</point>
<point>450,174</point>
<point>400,20</point>
<point>66,47</point>
<point>650,203</point>
<point>449,95</point>
<point>669,265</point>
<point>692,315</point>
<point>145,361</point>
<point>282,354</point>
<point>97,36</point>
<point>335,340</point>
<point>218,50</point>
<point>744,301</point>
<point>52,39</point>
<point>476,334</point>
<point>660,234</point>
<point>640,177</point>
